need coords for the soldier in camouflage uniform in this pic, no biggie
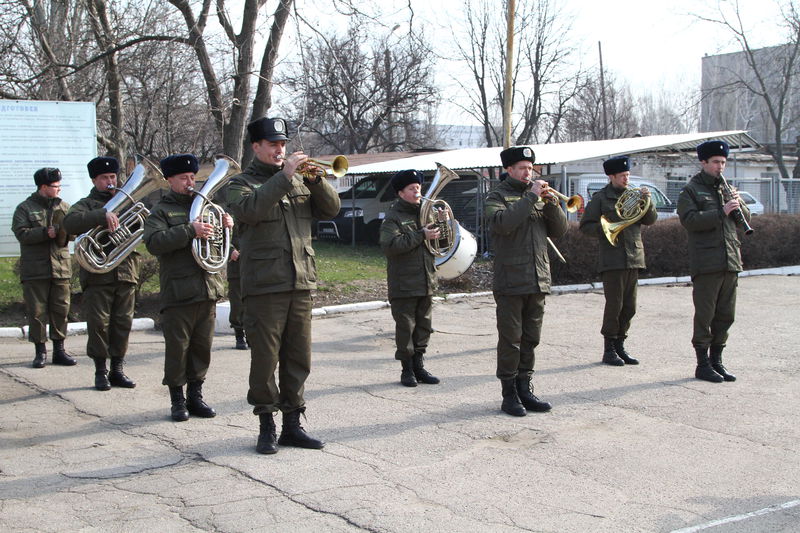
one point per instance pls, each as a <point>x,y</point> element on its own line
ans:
<point>109,298</point>
<point>618,264</point>
<point>274,206</point>
<point>411,276</point>
<point>520,221</point>
<point>715,258</point>
<point>44,265</point>
<point>188,292</point>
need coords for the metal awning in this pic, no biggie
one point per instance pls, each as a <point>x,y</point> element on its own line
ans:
<point>561,153</point>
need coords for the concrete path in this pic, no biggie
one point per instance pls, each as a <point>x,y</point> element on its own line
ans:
<point>644,448</point>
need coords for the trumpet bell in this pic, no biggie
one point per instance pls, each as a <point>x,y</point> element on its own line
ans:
<point>338,167</point>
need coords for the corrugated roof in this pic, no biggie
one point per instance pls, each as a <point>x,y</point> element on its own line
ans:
<point>560,153</point>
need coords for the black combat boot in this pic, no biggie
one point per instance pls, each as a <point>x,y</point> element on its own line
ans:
<point>529,400</point>
<point>293,434</point>
<point>241,341</point>
<point>117,377</point>
<point>422,375</point>
<point>619,347</point>
<point>101,375</point>
<point>194,401</point>
<point>41,355</point>
<point>60,355</point>
<point>407,376</point>
<point>716,364</point>
<point>704,370</point>
<point>511,403</point>
<point>266,435</point>
<point>610,356</point>
<point>179,412</point>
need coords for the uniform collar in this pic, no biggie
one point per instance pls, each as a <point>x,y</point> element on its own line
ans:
<point>407,207</point>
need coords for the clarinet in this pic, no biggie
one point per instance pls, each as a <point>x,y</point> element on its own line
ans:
<point>738,216</point>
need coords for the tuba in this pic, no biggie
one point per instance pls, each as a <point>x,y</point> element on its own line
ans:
<point>631,206</point>
<point>100,250</point>
<point>212,253</point>
<point>455,249</point>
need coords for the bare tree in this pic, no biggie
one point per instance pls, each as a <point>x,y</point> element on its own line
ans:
<point>544,78</point>
<point>770,75</point>
<point>583,119</point>
<point>357,94</point>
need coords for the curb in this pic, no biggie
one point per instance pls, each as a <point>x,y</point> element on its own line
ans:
<point>223,308</point>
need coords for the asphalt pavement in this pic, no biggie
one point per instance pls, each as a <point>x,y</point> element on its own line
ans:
<point>635,448</point>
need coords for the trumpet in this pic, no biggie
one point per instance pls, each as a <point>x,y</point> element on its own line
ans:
<point>736,214</point>
<point>313,168</point>
<point>574,202</point>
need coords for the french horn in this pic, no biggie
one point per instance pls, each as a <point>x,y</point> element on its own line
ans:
<point>100,250</point>
<point>631,206</point>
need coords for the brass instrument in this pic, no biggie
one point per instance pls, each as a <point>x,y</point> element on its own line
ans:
<point>212,253</point>
<point>631,206</point>
<point>100,250</point>
<point>313,168</point>
<point>574,202</point>
<point>738,216</point>
<point>455,249</point>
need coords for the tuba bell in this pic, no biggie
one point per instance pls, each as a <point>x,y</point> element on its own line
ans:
<point>631,206</point>
<point>100,250</point>
<point>454,251</point>
<point>212,253</point>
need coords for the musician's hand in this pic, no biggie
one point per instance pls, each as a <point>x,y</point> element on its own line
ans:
<point>732,205</point>
<point>234,254</point>
<point>112,220</point>
<point>293,161</point>
<point>431,232</point>
<point>645,191</point>
<point>538,187</point>
<point>227,221</point>
<point>202,230</point>
<point>51,232</point>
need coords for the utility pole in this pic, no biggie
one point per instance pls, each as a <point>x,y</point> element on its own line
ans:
<point>603,91</point>
<point>507,91</point>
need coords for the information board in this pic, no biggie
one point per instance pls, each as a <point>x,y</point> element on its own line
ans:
<point>36,134</point>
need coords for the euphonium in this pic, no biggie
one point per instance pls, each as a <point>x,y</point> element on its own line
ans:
<point>100,250</point>
<point>455,249</point>
<point>212,253</point>
<point>631,206</point>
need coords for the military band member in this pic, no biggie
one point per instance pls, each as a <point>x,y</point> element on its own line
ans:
<point>236,312</point>
<point>108,299</point>
<point>411,276</point>
<point>715,258</point>
<point>618,265</point>
<point>44,265</point>
<point>274,206</point>
<point>188,292</point>
<point>520,221</point>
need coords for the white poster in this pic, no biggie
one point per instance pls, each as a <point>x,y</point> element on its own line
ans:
<point>36,134</point>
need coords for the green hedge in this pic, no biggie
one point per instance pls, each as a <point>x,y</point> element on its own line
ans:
<point>775,242</point>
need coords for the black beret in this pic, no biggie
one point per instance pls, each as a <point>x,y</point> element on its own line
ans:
<point>46,176</point>
<point>512,155</point>
<point>709,149</point>
<point>178,164</point>
<point>270,129</point>
<point>615,165</point>
<point>404,178</point>
<point>102,165</point>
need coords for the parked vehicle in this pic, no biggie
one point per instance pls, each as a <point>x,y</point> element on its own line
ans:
<point>364,207</point>
<point>755,207</point>
<point>588,184</point>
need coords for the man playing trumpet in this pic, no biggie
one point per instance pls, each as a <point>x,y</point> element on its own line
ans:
<point>109,298</point>
<point>618,264</point>
<point>274,203</point>
<point>411,276</point>
<point>521,220</point>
